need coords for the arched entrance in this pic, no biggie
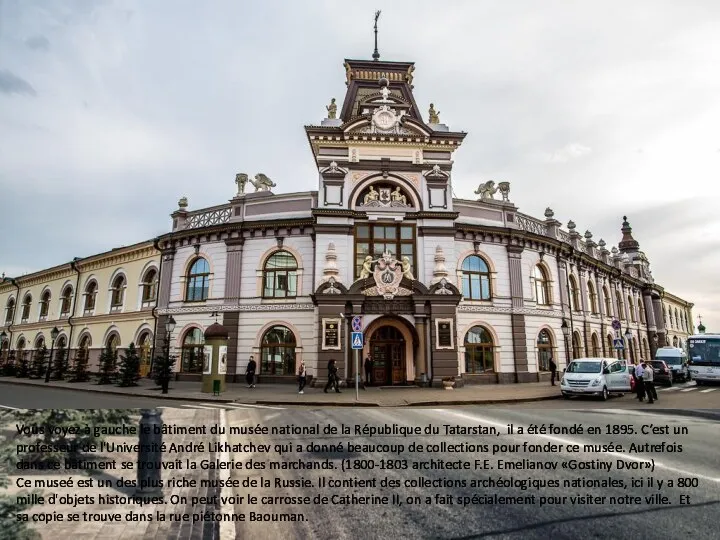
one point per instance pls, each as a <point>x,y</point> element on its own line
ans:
<point>387,349</point>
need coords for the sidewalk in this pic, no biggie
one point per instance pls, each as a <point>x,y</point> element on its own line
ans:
<point>285,394</point>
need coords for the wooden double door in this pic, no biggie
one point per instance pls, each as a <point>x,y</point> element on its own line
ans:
<point>387,348</point>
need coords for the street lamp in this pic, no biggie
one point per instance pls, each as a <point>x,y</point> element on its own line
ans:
<point>165,368</point>
<point>628,338</point>
<point>53,334</point>
<point>566,333</point>
<point>3,337</point>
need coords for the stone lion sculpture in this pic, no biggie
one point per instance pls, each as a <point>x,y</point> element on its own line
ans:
<point>486,190</point>
<point>262,183</point>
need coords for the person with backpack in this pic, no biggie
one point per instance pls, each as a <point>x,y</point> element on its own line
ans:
<point>250,373</point>
<point>302,377</point>
<point>332,376</point>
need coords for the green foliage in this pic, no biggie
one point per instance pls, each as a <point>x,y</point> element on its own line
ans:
<point>38,368</point>
<point>80,373</point>
<point>108,366</point>
<point>10,367</point>
<point>164,370</point>
<point>130,367</point>
<point>60,363</point>
<point>23,370</point>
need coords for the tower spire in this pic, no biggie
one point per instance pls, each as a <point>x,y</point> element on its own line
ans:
<point>376,54</point>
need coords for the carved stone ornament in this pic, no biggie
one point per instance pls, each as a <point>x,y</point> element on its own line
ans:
<point>443,288</point>
<point>486,190</point>
<point>388,274</point>
<point>332,289</point>
<point>384,197</point>
<point>262,183</point>
<point>504,190</point>
<point>386,120</point>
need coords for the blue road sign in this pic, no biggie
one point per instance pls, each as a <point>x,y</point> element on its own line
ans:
<point>618,344</point>
<point>357,340</point>
<point>357,323</point>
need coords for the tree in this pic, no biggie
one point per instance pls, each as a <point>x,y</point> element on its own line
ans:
<point>39,363</point>
<point>10,367</point>
<point>108,366</point>
<point>130,367</point>
<point>60,363</point>
<point>163,371</point>
<point>80,371</point>
<point>23,364</point>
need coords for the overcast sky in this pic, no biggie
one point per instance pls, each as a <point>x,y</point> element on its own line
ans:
<point>112,110</point>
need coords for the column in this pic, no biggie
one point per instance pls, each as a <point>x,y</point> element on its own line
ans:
<point>659,321</point>
<point>233,273</point>
<point>517,320</point>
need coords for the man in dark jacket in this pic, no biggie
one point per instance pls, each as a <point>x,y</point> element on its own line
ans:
<point>368,370</point>
<point>250,373</point>
<point>332,376</point>
<point>553,371</point>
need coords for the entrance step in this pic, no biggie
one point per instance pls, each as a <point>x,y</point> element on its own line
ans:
<point>398,387</point>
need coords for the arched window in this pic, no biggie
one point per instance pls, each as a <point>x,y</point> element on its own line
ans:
<point>198,282</point>
<point>596,352</point>
<point>149,286</point>
<point>90,295</point>
<point>280,276</point>
<point>646,349</point>
<point>39,342</point>
<point>677,319</point>
<point>475,278</point>
<point>576,345</point>
<point>27,302</point>
<point>620,306</point>
<point>117,292</point>
<point>44,305</point>
<point>113,342</point>
<point>542,292</point>
<point>10,311</point>
<point>479,351</point>
<point>675,341</point>
<point>574,294</point>
<point>145,353</point>
<point>66,301</point>
<point>610,344</point>
<point>593,297</point>
<point>608,302</point>
<point>665,315</point>
<point>4,350</point>
<point>545,350</point>
<point>61,343</point>
<point>21,352</point>
<point>193,351</point>
<point>277,356</point>
<point>631,309</point>
<point>641,311</point>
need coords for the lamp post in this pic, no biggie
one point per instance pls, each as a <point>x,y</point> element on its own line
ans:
<point>165,373</point>
<point>566,333</point>
<point>149,473</point>
<point>53,334</point>
<point>628,338</point>
<point>3,337</point>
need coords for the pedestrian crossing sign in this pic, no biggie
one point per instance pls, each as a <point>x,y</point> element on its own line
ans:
<point>618,343</point>
<point>357,340</point>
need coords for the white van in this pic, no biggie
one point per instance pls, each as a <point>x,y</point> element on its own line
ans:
<point>595,377</point>
<point>677,362</point>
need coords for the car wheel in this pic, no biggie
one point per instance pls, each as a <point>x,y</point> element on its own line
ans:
<point>605,394</point>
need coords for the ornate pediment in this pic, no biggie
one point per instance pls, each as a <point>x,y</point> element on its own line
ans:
<point>384,196</point>
<point>387,274</point>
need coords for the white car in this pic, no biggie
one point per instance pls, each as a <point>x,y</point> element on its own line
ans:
<point>595,377</point>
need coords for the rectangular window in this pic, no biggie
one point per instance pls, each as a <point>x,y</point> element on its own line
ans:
<point>375,240</point>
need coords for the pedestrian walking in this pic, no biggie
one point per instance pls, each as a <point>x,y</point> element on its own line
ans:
<point>639,383</point>
<point>301,377</point>
<point>250,373</point>
<point>553,371</point>
<point>649,381</point>
<point>332,376</point>
<point>368,370</point>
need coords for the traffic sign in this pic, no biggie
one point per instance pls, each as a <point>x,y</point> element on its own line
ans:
<point>616,324</point>
<point>618,344</point>
<point>357,340</point>
<point>357,323</point>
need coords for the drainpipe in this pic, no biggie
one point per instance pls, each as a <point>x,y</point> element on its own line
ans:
<point>17,303</point>
<point>428,351</point>
<point>156,244</point>
<point>570,309</point>
<point>74,266</point>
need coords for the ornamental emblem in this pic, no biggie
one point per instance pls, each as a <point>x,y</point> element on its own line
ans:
<point>388,274</point>
<point>386,119</point>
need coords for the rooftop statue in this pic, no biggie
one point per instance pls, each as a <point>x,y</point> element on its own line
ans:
<point>366,268</point>
<point>262,183</point>
<point>407,268</point>
<point>434,116</point>
<point>486,190</point>
<point>332,109</point>
<point>409,75</point>
<point>241,179</point>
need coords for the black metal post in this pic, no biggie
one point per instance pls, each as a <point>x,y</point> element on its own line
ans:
<point>567,352</point>
<point>52,348</point>
<point>166,362</point>
<point>149,470</point>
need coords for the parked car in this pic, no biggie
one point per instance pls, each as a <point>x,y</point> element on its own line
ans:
<point>663,373</point>
<point>595,377</point>
<point>677,361</point>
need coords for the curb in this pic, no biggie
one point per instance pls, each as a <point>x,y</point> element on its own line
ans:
<point>118,393</point>
<point>710,414</point>
<point>414,404</point>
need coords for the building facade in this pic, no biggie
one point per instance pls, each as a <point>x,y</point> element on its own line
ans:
<point>447,287</point>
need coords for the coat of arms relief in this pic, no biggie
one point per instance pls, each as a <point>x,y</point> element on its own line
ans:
<point>388,273</point>
<point>384,197</point>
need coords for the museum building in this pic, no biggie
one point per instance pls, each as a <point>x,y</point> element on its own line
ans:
<point>447,288</point>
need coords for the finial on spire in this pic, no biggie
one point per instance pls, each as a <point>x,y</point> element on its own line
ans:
<point>376,54</point>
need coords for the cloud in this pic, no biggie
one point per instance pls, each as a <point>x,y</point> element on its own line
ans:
<point>568,152</point>
<point>12,84</point>
<point>37,43</point>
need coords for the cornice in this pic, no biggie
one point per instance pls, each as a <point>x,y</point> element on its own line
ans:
<point>234,307</point>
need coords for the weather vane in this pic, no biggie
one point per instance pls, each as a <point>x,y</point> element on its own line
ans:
<point>376,54</point>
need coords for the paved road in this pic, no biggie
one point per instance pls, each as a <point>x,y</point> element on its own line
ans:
<point>597,518</point>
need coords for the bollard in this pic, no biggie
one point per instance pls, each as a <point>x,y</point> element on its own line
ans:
<point>149,467</point>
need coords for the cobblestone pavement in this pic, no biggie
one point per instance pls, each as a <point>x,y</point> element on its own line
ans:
<point>178,500</point>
